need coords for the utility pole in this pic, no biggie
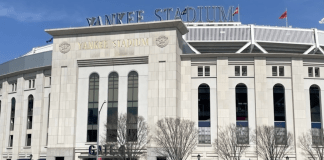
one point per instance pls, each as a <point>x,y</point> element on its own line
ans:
<point>98,124</point>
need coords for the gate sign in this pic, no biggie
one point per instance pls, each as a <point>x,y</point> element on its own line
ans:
<point>189,14</point>
<point>107,150</point>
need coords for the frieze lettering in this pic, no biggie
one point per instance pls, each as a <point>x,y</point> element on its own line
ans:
<point>93,45</point>
<point>123,43</point>
<point>130,42</point>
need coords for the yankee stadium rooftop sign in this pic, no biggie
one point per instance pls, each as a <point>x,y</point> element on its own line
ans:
<point>189,14</point>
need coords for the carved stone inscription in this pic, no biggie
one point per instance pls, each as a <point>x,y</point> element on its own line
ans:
<point>122,43</point>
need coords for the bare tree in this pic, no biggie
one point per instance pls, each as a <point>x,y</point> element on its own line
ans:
<point>127,136</point>
<point>176,138</point>
<point>312,144</point>
<point>231,141</point>
<point>272,143</point>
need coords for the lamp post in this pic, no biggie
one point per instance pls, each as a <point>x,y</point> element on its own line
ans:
<point>98,128</point>
<point>198,156</point>
<point>287,158</point>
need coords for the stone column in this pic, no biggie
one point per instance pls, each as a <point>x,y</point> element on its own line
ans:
<point>223,97</point>
<point>37,115</point>
<point>299,108</point>
<point>4,117</point>
<point>261,96</point>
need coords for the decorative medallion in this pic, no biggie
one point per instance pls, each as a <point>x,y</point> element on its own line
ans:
<point>162,41</point>
<point>65,47</point>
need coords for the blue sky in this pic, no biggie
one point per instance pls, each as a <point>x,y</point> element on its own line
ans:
<point>23,21</point>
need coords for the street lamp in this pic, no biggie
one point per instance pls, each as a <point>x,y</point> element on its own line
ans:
<point>98,128</point>
<point>198,156</point>
<point>287,158</point>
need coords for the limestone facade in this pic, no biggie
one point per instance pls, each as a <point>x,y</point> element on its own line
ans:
<point>168,87</point>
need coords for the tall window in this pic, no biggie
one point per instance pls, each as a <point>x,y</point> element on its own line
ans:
<point>315,108</point>
<point>204,113</point>
<point>200,70</point>
<point>28,139</point>
<point>14,87</point>
<point>112,107</point>
<point>238,71</point>
<point>242,113</point>
<point>93,107</point>
<point>132,106</point>
<point>31,83</point>
<point>30,112</point>
<point>312,70</point>
<point>12,114</point>
<point>279,113</point>
<point>274,71</point>
<point>241,105</point>
<point>10,143</point>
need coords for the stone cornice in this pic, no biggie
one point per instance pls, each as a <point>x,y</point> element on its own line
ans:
<point>178,24</point>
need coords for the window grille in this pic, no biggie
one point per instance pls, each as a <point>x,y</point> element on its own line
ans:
<point>93,107</point>
<point>244,70</point>
<point>281,71</point>
<point>317,72</point>
<point>242,135</point>
<point>310,71</point>
<point>132,106</point>
<point>274,71</point>
<point>112,121</point>
<point>207,71</point>
<point>204,114</point>
<point>237,71</point>
<point>200,71</point>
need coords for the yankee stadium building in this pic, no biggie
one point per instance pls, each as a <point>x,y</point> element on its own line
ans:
<point>215,73</point>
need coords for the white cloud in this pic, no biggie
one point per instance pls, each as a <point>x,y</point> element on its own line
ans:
<point>9,11</point>
<point>40,15</point>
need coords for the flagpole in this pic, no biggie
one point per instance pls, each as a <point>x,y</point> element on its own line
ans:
<point>286,18</point>
<point>239,13</point>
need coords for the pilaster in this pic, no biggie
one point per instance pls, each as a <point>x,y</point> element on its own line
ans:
<point>261,94</point>
<point>223,97</point>
<point>298,98</point>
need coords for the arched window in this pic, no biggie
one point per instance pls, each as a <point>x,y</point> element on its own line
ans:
<point>315,109</point>
<point>314,98</point>
<point>112,107</point>
<point>242,124</point>
<point>242,113</point>
<point>279,104</point>
<point>12,114</point>
<point>30,112</point>
<point>132,106</point>
<point>93,107</point>
<point>132,93</point>
<point>241,105</point>
<point>279,113</point>
<point>204,113</point>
